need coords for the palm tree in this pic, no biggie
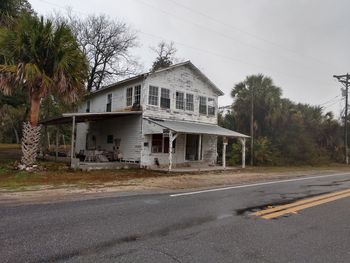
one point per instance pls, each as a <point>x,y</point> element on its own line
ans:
<point>255,99</point>
<point>41,58</point>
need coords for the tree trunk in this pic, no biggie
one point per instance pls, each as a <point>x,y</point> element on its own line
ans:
<point>16,134</point>
<point>34,110</point>
<point>31,134</point>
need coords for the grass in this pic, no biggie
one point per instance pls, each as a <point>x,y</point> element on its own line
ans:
<point>59,174</point>
<point>7,146</point>
<point>55,174</point>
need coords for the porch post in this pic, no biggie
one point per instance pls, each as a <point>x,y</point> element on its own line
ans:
<point>56,147</point>
<point>72,140</point>
<point>242,140</point>
<point>172,138</point>
<point>200,147</point>
<point>224,152</point>
<point>170,150</point>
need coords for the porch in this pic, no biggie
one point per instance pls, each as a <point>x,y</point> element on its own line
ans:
<point>186,146</point>
<point>95,141</point>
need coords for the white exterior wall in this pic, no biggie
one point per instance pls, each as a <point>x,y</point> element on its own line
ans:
<point>181,79</point>
<point>126,128</point>
<point>131,129</point>
<point>98,101</point>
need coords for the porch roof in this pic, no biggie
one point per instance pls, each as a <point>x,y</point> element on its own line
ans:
<point>86,116</point>
<point>196,128</point>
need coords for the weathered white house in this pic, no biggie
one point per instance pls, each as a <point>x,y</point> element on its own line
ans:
<point>167,118</point>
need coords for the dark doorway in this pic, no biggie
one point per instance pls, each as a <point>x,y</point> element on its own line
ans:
<point>192,147</point>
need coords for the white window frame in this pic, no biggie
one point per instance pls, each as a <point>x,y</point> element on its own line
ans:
<point>153,97</point>
<point>211,106</point>
<point>166,92</point>
<point>179,102</point>
<point>200,104</point>
<point>137,94</point>
<point>129,96</point>
<point>188,104</point>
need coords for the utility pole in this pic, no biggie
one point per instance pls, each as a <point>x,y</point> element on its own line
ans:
<point>252,126</point>
<point>345,80</point>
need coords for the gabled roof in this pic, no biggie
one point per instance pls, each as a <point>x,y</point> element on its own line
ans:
<point>145,75</point>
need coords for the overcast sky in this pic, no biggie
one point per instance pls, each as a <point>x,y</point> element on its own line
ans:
<point>299,43</point>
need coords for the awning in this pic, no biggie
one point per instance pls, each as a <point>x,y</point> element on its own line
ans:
<point>196,128</point>
<point>87,116</point>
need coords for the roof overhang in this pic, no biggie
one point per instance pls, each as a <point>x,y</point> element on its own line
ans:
<point>196,128</point>
<point>86,117</point>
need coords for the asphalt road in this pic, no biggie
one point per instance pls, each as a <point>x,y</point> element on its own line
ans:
<point>214,226</point>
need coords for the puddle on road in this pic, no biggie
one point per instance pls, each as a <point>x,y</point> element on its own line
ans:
<point>285,200</point>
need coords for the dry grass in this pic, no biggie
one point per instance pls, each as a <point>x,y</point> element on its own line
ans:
<point>59,175</point>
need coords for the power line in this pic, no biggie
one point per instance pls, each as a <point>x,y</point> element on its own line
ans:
<point>246,32</point>
<point>345,80</point>
<point>328,101</point>
<point>188,46</point>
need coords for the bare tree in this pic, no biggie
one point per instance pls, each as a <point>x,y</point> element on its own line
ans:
<point>107,44</point>
<point>165,55</point>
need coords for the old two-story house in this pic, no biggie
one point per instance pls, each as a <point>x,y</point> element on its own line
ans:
<point>162,119</point>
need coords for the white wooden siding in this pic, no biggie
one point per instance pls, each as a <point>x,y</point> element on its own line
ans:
<point>126,128</point>
<point>181,79</point>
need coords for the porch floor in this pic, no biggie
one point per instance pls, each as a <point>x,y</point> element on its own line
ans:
<point>196,168</point>
<point>107,165</point>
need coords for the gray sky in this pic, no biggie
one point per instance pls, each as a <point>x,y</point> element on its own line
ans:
<point>299,43</point>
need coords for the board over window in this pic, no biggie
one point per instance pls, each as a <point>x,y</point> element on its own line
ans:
<point>109,103</point>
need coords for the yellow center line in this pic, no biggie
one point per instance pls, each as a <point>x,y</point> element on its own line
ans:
<point>301,207</point>
<point>301,202</point>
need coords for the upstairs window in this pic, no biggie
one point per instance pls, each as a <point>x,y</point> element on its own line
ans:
<point>109,103</point>
<point>129,96</point>
<point>189,102</point>
<point>165,98</point>
<point>179,100</point>
<point>88,106</point>
<point>211,106</point>
<point>203,105</point>
<point>137,95</point>
<point>153,96</point>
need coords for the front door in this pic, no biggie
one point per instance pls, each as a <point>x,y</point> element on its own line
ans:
<point>193,147</point>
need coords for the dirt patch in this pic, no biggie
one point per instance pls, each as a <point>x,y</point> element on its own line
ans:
<point>65,184</point>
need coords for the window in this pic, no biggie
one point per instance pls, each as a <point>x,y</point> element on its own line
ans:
<point>153,95</point>
<point>137,95</point>
<point>109,103</point>
<point>211,106</point>
<point>179,100</point>
<point>203,105</point>
<point>157,143</point>
<point>165,98</point>
<point>160,144</point>
<point>129,96</point>
<point>109,138</point>
<point>88,106</point>
<point>189,102</point>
